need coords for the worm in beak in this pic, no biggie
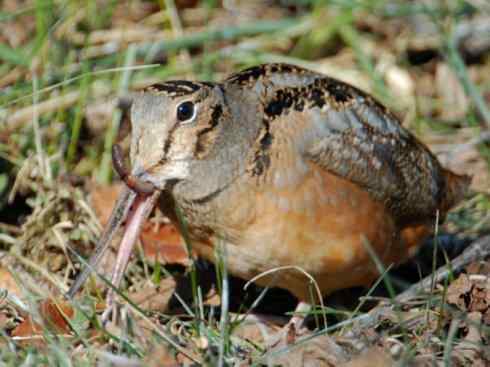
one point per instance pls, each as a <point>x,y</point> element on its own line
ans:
<point>133,207</point>
<point>133,182</point>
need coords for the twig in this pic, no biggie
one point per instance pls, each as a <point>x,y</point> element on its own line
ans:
<point>477,250</point>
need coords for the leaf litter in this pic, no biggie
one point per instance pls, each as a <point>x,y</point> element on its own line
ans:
<point>452,324</point>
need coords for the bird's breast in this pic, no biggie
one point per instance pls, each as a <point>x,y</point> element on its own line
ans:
<point>326,226</point>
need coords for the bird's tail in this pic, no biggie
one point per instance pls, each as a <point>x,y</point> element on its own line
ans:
<point>456,188</point>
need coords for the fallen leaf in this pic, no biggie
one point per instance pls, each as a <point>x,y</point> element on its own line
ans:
<point>53,314</point>
<point>470,293</point>
<point>458,290</point>
<point>27,328</point>
<point>57,313</point>
<point>103,199</point>
<point>165,244</point>
<point>160,242</point>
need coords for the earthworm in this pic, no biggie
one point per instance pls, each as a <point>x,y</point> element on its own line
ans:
<point>133,182</point>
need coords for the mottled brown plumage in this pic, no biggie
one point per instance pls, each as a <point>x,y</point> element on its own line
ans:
<point>285,166</point>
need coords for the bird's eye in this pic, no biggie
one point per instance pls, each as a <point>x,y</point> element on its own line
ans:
<point>186,111</point>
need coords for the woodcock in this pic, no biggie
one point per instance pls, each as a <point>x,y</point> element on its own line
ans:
<point>283,167</point>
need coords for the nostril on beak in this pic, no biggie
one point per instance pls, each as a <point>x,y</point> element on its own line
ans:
<point>133,182</point>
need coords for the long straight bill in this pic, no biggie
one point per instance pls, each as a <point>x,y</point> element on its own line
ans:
<point>118,215</point>
<point>142,208</point>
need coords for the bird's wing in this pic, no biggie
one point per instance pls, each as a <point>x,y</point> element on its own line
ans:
<point>358,139</point>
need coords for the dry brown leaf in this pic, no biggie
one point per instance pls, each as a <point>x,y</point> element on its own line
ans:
<point>27,329</point>
<point>164,244</point>
<point>57,313</point>
<point>470,293</point>
<point>54,315</point>
<point>103,199</point>
<point>458,290</point>
<point>160,242</point>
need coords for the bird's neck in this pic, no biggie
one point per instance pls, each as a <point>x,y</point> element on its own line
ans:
<point>227,162</point>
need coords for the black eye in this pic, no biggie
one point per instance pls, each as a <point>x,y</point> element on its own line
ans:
<point>185,111</point>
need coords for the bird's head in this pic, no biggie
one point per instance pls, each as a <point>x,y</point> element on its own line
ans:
<point>174,126</point>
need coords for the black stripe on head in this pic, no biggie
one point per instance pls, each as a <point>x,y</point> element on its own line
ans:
<point>203,140</point>
<point>169,141</point>
<point>215,117</point>
<point>176,88</point>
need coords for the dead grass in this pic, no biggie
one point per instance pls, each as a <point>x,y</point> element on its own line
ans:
<point>63,64</point>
